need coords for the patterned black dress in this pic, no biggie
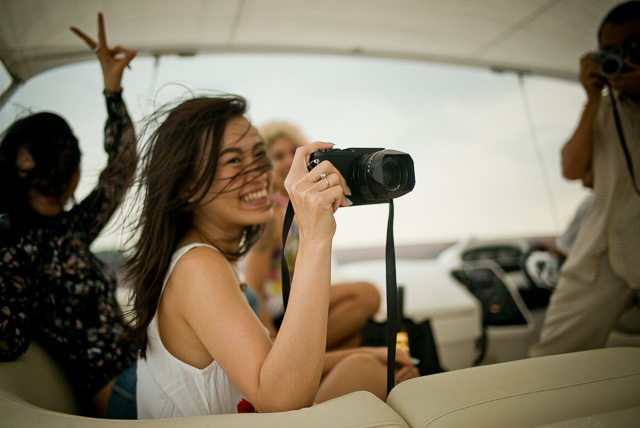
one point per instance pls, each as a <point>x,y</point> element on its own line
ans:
<point>54,291</point>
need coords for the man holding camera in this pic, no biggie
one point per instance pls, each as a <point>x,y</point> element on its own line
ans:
<point>601,276</point>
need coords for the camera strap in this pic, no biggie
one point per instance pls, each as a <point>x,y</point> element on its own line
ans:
<point>284,268</point>
<point>392,287</point>
<point>623,142</point>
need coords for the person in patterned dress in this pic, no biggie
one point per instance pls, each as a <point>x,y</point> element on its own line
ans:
<point>53,290</point>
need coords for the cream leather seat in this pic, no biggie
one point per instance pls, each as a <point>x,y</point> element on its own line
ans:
<point>591,388</point>
<point>35,393</point>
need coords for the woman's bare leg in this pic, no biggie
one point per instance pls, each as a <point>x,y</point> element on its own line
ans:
<point>356,372</point>
<point>351,305</point>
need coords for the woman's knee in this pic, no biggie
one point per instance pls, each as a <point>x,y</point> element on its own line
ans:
<point>369,296</point>
<point>361,363</point>
<point>360,371</point>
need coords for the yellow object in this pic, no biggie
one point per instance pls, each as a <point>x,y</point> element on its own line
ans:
<point>402,341</point>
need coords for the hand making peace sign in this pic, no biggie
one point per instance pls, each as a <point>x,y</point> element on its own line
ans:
<point>112,60</point>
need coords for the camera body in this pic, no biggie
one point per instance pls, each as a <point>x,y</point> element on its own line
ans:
<point>611,60</point>
<point>374,175</point>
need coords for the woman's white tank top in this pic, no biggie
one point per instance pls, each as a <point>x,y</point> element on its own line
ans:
<point>169,388</point>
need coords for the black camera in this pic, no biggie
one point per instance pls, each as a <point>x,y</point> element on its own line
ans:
<point>373,175</point>
<point>612,59</point>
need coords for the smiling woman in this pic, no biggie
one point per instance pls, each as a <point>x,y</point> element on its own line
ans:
<point>204,180</point>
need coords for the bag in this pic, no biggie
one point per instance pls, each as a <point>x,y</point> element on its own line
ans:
<point>422,344</point>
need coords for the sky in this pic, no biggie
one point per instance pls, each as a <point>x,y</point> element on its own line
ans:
<point>485,145</point>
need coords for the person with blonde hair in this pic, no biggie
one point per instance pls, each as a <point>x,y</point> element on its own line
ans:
<point>351,304</point>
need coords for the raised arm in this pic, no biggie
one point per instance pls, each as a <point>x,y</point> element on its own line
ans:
<point>257,264</point>
<point>296,360</point>
<point>113,61</point>
<point>285,374</point>
<point>119,137</point>
<point>576,153</point>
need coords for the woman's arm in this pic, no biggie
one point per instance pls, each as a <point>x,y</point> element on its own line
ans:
<point>115,179</point>
<point>274,376</point>
<point>285,374</point>
<point>119,139</point>
<point>257,264</point>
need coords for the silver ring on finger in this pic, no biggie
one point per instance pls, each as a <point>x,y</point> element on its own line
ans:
<point>95,48</point>
<point>324,177</point>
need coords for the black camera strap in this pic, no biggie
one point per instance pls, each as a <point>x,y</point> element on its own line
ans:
<point>392,287</point>
<point>392,302</point>
<point>284,268</point>
<point>623,142</point>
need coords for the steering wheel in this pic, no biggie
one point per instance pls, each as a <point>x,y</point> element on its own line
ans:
<point>541,267</point>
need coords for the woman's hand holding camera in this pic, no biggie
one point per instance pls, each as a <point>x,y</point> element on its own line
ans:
<point>315,194</point>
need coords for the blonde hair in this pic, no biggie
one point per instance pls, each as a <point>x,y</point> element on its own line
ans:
<point>273,130</point>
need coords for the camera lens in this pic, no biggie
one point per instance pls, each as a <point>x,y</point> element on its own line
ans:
<point>611,66</point>
<point>391,173</point>
<point>383,174</point>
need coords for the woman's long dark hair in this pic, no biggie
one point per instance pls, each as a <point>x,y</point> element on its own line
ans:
<point>178,163</point>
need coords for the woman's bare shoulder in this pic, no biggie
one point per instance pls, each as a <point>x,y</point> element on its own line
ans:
<point>202,260</point>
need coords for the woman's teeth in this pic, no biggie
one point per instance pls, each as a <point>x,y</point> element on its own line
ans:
<point>255,196</point>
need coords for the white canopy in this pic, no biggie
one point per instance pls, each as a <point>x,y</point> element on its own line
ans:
<point>543,37</point>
